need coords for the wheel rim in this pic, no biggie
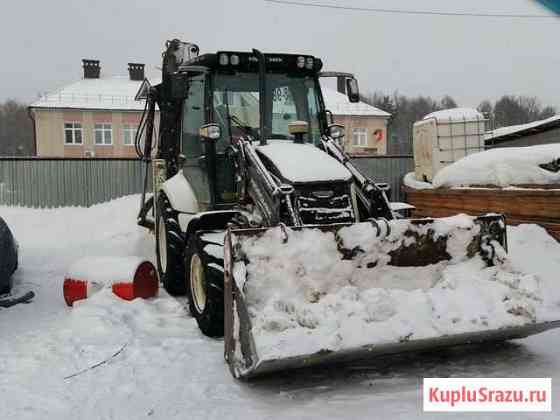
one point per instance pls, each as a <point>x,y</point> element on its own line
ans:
<point>162,243</point>
<point>198,290</point>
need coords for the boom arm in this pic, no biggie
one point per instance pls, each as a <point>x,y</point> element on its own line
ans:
<point>370,195</point>
<point>271,197</point>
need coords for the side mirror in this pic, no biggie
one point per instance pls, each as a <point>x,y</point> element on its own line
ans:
<point>336,131</point>
<point>210,132</point>
<point>181,160</point>
<point>352,90</point>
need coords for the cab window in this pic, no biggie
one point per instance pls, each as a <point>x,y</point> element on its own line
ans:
<point>193,117</point>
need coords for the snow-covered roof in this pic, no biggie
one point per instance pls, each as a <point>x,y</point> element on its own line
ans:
<point>517,129</point>
<point>114,93</point>
<point>109,93</point>
<point>339,104</point>
<point>456,114</point>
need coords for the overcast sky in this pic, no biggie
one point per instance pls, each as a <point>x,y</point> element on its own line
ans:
<point>42,42</point>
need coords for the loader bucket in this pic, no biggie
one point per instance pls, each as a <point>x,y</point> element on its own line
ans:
<point>297,297</point>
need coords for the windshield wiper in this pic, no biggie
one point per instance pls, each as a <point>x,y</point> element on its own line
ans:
<point>248,130</point>
<point>242,125</point>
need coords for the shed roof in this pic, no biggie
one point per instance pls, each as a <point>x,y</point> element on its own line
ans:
<point>515,131</point>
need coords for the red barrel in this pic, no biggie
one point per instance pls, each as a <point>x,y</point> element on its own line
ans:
<point>128,277</point>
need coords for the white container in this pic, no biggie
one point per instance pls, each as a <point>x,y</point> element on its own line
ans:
<point>443,137</point>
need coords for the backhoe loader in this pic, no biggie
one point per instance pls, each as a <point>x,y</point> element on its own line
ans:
<point>283,246</point>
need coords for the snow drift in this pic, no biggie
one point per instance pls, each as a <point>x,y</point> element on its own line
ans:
<point>169,370</point>
<point>504,167</point>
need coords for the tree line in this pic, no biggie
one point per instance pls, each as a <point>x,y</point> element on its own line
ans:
<point>16,129</point>
<point>405,111</point>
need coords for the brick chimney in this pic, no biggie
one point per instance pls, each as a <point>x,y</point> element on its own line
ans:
<point>91,69</point>
<point>136,71</point>
<point>341,84</point>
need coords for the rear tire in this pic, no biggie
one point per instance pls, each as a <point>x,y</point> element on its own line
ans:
<point>206,299</point>
<point>169,248</point>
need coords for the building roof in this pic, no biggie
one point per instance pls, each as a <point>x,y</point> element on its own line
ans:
<point>107,93</point>
<point>118,93</point>
<point>515,131</point>
<point>339,104</point>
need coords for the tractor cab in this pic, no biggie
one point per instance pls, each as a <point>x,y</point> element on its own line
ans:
<point>230,95</point>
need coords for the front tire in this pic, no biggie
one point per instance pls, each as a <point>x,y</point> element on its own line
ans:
<point>169,248</point>
<point>206,299</point>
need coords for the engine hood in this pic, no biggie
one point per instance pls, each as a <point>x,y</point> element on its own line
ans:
<point>299,163</point>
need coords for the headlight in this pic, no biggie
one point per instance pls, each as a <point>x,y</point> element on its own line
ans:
<point>234,60</point>
<point>301,62</point>
<point>210,131</point>
<point>224,60</point>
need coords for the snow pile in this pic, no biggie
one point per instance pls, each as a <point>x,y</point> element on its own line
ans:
<point>105,270</point>
<point>456,114</point>
<point>411,182</point>
<point>502,167</point>
<point>304,298</point>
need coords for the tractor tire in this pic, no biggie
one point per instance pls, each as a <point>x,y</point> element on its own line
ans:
<point>169,248</point>
<point>206,298</point>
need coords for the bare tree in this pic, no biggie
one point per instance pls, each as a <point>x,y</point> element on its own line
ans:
<point>16,130</point>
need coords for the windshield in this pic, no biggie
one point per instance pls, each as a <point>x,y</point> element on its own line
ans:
<point>291,99</point>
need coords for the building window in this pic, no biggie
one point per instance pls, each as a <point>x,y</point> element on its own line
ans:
<point>129,134</point>
<point>103,134</point>
<point>359,137</point>
<point>73,133</point>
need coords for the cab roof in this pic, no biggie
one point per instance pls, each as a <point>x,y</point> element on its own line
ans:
<point>248,62</point>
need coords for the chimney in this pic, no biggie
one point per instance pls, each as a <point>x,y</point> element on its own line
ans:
<point>136,71</point>
<point>341,84</point>
<point>91,69</point>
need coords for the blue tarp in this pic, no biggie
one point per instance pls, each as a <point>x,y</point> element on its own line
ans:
<point>553,5</point>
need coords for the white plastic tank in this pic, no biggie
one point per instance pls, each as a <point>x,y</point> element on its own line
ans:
<point>443,137</point>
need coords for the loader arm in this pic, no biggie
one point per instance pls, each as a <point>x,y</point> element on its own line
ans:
<point>372,198</point>
<point>270,196</point>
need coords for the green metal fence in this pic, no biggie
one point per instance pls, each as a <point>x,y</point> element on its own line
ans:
<point>55,182</point>
<point>67,182</point>
<point>390,169</point>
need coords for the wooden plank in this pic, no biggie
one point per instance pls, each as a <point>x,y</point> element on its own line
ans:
<point>519,206</point>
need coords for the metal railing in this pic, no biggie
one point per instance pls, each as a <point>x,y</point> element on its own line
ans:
<point>57,182</point>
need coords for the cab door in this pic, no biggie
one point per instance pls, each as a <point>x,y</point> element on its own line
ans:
<point>194,116</point>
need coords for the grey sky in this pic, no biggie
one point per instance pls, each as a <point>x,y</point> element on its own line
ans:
<point>42,43</point>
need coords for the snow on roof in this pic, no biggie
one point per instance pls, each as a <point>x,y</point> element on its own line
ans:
<point>339,104</point>
<point>503,167</point>
<point>120,92</point>
<point>456,114</point>
<point>104,93</point>
<point>504,131</point>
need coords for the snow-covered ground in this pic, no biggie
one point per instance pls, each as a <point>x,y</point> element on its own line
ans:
<point>166,369</point>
